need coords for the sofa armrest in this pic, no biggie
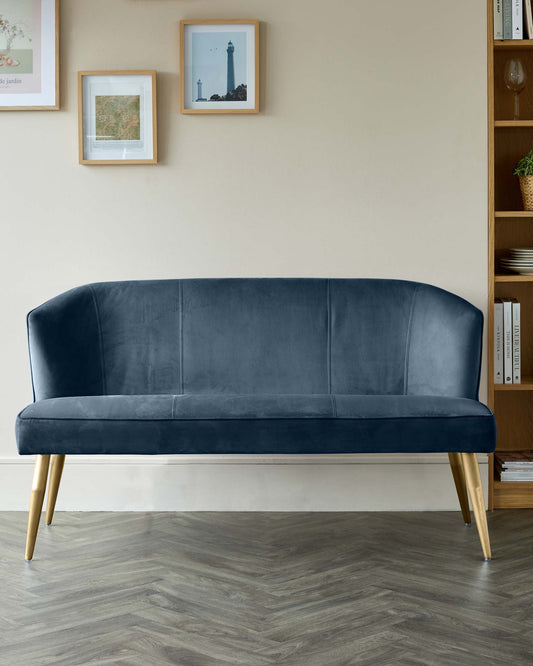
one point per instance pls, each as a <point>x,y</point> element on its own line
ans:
<point>444,356</point>
<point>64,339</point>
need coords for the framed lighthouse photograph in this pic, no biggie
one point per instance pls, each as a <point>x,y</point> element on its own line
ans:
<point>219,66</point>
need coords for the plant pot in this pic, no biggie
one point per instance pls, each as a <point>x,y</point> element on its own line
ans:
<point>526,187</point>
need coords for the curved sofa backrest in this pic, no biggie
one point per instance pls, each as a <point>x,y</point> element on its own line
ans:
<point>241,336</point>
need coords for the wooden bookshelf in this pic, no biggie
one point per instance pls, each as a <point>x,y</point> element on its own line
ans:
<point>513,278</point>
<point>513,495</point>
<point>513,213</point>
<point>525,385</point>
<point>509,226</point>
<point>509,44</point>
<point>513,123</point>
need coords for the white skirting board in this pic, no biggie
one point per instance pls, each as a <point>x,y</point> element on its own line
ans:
<point>388,482</point>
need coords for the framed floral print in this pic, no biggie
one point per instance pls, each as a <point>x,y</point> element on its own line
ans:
<point>117,117</point>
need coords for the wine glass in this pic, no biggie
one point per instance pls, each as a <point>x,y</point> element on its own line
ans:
<point>515,80</point>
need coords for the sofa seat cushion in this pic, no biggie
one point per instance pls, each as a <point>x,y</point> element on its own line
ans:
<point>270,424</point>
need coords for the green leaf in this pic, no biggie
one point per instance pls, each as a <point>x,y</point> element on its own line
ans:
<point>525,166</point>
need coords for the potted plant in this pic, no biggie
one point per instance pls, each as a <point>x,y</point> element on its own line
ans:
<point>524,170</point>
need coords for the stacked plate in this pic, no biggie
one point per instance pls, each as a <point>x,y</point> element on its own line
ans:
<point>520,261</point>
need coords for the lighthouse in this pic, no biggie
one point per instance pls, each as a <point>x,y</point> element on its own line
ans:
<point>200,98</point>
<point>231,68</point>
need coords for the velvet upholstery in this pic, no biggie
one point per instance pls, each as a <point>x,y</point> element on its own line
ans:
<point>255,424</point>
<point>255,366</point>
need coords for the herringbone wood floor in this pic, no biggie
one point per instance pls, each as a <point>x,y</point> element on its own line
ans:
<point>320,589</point>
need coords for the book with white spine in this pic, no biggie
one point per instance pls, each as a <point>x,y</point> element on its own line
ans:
<point>517,19</point>
<point>517,374</point>
<point>498,341</point>
<point>507,343</point>
<point>498,19</point>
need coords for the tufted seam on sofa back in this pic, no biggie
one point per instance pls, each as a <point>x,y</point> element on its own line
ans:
<point>328,351</point>
<point>100,339</point>
<point>408,341</point>
<point>180,333</point>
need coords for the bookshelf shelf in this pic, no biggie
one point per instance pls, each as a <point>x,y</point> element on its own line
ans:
<point>526,385</point>
<point>513,278</point>
<point>513,123</point>
<point>513,213</point>
<point>512,495</point>
<point>514,485</point>
<point>509,226</point>
<point>515,44</point>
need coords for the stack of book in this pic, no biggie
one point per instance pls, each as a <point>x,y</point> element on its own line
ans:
<point>514,466</point>
<point>509,19</point>
<point>507,352</point>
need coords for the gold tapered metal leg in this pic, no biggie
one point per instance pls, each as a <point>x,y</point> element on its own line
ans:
<point>38,488</point>
<point>473,481</point>
<point>456,463</point>
<point>56,469</point>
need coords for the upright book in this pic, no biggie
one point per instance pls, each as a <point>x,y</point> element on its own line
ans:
<point>507,343</point>
<point>517,374</point>
<point>498,341</point>
<point>498,19</point>
<point>507,13</point>
<point>518,20</point>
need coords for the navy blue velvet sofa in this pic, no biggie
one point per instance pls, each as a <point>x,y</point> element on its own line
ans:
<point>277,366</point>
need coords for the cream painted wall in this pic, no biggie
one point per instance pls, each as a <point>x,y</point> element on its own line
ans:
<point>368,159</point>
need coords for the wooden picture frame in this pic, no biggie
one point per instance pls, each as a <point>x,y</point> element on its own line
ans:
<point>29,56</point>
<point>226,54</point>
<point>117,117</point>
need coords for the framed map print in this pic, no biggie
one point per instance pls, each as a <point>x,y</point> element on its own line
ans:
<point>219,66</point>
<point>117,117</point>
<point>29,55</point>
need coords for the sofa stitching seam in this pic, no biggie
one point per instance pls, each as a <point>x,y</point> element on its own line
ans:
<point>328,298</point>
<point>408,342</point>
<point>334,405</point>
<point>180,315</point>
<point>100,338</point>
<point>29,353</point>
<point>262,418</point>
